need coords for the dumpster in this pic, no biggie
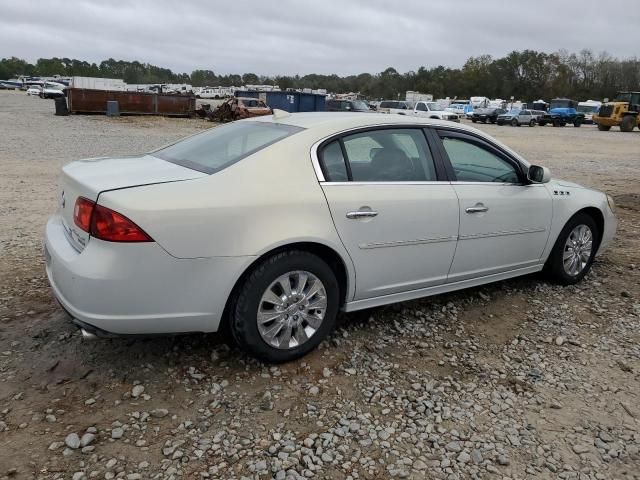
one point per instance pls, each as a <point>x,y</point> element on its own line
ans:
<point>288,101</point>
<point>82,100</point>
<point>61,106</point>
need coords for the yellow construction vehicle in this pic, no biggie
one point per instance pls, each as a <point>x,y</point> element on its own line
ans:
<point>623,112</point>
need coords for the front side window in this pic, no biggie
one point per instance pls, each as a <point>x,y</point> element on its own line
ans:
<point>422,107</point>
<point>474,163</point>
<point>219,147</point>
<point>394,155</point>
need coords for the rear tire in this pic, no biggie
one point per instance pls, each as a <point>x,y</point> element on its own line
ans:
<point>542,124</point>
<point>473,120</point>
<point>559,264</point>
<point>515,123</point>
<point>604,128</point>
<point>250,302</point>
<point>532,123</point>
<point>628,124</point>
<point>577,123</point>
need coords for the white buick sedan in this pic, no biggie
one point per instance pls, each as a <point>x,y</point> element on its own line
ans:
<point>272,225</point>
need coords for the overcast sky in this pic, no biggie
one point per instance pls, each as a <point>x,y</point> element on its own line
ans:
<point>305,36</point>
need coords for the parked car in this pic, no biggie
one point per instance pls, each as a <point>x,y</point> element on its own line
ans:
<point>334,105</point>
<point>237,108</point>
<point>517,118</point>
<point>538,114</point>
<point>242,226</point>
<point>588,109</point>
<point>34,91</point>
<point>433,110</point>
<point>485,115</point>
<point>51,92</point>
<point>394,106</point>
<point>461,109</point>
<point>420,109</point>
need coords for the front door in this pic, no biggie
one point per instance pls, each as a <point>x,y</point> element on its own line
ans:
<point>396,220</point>
<point>504,222</point>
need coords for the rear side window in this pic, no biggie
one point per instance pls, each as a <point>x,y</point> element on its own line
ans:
<point>219,147</point>
<point>394,155</point>
<point>333,165</point>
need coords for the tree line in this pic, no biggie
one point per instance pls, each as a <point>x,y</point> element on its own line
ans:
<point>526,75</point>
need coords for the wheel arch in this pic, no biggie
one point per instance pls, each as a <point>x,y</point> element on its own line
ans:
<point>598,217</point>
<point>334,259</point>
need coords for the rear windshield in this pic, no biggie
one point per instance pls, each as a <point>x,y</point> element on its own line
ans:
<point>219,147</point>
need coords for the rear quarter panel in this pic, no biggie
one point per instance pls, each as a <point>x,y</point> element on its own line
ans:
<point>264,201</point>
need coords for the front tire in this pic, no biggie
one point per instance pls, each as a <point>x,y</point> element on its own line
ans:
<point>515,123</point>
<point>574,250</point>
<point>604,128</point>
<point>628,124</point>
<point>285,307</point>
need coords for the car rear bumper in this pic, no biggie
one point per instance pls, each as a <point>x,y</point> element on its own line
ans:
<point>138,288</point>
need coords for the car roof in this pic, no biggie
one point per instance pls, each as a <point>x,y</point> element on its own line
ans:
<point>342,120</point>
<point>330,123</point>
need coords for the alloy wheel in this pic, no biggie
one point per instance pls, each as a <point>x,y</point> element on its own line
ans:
<point>291,309</point>
<point>577,250</point>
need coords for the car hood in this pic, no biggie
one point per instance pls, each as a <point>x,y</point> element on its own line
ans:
<point>565,183</point>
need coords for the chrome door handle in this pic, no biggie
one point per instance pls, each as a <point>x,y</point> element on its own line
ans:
<point>362,214</point>
<point>479,208</point>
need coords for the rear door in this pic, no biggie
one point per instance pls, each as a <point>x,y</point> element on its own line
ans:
<point>504,221</point>
<point>395,216</point>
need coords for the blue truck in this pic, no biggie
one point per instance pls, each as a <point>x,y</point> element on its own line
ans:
<point>561,112</point>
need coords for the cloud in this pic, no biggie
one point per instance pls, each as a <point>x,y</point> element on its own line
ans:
<point>300,37</point>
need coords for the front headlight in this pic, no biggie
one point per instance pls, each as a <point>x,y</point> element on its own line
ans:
<point>612,204</point>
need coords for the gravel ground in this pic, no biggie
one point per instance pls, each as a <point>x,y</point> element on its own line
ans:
<point>519,379</point>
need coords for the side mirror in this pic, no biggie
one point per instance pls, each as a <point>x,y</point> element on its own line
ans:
<point>606,100</point>
<point>537,174</point>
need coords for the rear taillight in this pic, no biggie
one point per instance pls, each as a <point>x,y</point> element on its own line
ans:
<point>113,227</point>
<point>106,224</point>
<point>82,213</point>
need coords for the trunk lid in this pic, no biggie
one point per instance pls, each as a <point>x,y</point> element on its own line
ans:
<point>88,178</point>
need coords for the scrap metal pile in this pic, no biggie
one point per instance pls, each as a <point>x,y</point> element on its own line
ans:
<point>235,108</point>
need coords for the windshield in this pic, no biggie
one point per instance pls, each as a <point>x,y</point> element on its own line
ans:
<point>360,105</point>
<point>219,147</point>
<point>247,102</point>
<point>393,104</point>
<point>623,97</point>
<point>588,108</point>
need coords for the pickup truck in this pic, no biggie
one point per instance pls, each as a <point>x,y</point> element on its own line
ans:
<point>420,109</point>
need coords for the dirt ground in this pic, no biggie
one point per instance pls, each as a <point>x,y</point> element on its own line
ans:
<point>519,379</point>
